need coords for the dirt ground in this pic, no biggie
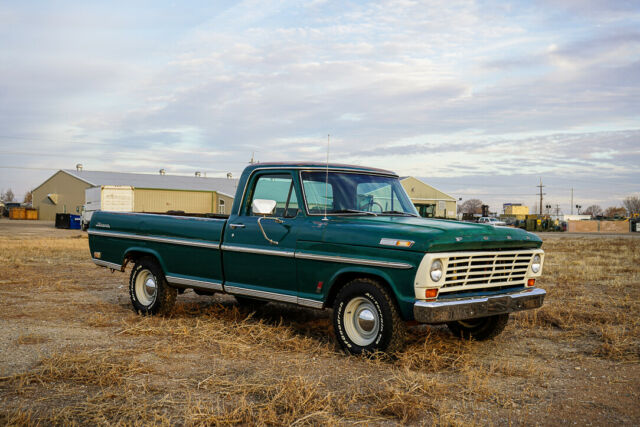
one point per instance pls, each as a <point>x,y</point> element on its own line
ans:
<point>73,352</point>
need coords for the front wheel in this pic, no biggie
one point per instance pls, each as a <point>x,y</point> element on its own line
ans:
<point>366,318</point>
<point>480,329</point>
<point>149,291</point>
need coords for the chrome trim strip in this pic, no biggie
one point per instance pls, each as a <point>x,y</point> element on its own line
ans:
<point>261,294</point>
<point>169,240</point>
<point>195,283</point>
<point>310,303</point>
<point>359,261</point>
<point>234,248</point>
<point>106,264</point>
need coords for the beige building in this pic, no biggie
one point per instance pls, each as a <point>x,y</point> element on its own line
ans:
<point>64,192</point>
<point>429,201</point>
<point>514,211</point>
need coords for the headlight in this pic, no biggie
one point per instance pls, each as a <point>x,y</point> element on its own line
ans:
<point>436,270</point>
<point>535,265</point>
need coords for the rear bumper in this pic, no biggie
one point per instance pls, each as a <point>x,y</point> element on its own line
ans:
<point>469,308</point>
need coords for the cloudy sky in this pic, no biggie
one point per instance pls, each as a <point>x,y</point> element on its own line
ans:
<point>478,98</point>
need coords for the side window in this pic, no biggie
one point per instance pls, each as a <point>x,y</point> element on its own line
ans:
<point>221,206</point>
<point>279,188</point>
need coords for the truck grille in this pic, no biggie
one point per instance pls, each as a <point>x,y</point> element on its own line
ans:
<point>486,270</point>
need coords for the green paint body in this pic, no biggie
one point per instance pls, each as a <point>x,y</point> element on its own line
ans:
<point>201,248</point>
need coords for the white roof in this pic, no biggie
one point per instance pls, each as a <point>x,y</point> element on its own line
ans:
<point>224,186</point>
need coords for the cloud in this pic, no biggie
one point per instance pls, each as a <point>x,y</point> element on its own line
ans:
<point>450,87</point>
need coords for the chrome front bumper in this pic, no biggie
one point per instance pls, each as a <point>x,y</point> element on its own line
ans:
<point>469,308</point>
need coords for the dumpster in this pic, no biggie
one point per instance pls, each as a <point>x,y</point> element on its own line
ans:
<point>18,213</point>
<point>74,222</point>
<point>63,220</point>
<point>32,214</point>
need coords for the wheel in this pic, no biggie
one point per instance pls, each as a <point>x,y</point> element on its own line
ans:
<point>366,318</point>
<point>480,329</point>
<point>250,303</point>
<point>149,291</point>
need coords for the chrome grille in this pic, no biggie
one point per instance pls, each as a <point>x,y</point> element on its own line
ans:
<point>486,270</point>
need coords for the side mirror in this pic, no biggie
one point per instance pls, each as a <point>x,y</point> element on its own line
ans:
<point>263,206</point>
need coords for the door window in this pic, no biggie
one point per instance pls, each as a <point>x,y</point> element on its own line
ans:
<point>279,188</point>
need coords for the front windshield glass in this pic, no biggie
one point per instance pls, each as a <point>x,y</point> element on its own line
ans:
<point>354,193</point>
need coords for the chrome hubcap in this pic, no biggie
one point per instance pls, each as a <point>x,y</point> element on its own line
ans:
<point>361,321</point>
<point>146,287</point>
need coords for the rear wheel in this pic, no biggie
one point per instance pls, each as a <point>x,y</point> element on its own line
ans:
<point>483,328</point>
<point>149,291</point>
<point>366,318</point>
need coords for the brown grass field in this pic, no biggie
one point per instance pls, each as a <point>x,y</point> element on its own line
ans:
<point>73,352</point>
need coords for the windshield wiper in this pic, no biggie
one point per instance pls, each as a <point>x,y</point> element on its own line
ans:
<point>355,211</point>
<point>397,213</point>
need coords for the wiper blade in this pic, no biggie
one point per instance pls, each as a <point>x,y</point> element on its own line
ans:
<point>397,213</point>
<point>354,211</point>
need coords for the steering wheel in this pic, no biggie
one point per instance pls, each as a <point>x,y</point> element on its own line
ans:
<point>370,205</point>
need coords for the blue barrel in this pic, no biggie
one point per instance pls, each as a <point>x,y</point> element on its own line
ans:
<point>74,222</point>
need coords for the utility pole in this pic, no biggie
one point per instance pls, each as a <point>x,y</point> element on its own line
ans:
<point>571,200</point>
<point>540,186</point>
<point>557,210</point>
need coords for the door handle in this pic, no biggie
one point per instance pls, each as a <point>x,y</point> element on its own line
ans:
<point>234,226</point>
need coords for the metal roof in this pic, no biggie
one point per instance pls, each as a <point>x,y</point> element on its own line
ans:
<point>224,186</point>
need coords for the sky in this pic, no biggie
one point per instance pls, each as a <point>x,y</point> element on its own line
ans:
<point>480,99</point>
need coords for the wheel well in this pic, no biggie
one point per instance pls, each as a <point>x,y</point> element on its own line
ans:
<point>134,256</point>
<point>345,278</point>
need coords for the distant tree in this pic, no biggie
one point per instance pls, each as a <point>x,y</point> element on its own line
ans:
<point>7,196</point>
<point>632,203</point>
<point>28,197</point>
<point>593,210</point>
<point>614,211</point>
<point>473,206</point>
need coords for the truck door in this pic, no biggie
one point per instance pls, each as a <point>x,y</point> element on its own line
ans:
<point>260,262</point>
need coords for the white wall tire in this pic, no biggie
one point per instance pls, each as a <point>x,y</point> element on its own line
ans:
<point>366,318</point>
<point>149,291</point>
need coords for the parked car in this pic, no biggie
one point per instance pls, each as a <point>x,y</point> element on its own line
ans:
<point>330,236</point>
<point>491,221</point>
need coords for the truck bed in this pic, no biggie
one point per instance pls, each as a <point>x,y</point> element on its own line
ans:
<point>188,247</point>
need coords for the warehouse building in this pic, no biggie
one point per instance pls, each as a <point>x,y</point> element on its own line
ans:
<point>64,192</point>
<point>429,201</point>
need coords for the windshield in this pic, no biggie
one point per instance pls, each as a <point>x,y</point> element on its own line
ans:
<point>354,193</point>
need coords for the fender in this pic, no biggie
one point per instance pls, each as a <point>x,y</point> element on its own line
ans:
<point>147,251</point>
<point>405,302</point>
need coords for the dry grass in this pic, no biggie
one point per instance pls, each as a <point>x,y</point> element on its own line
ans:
<point>77,354</point>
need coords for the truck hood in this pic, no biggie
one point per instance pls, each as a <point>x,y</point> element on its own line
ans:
<point>429,235</point>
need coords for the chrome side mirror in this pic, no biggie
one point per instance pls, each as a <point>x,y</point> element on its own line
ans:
<point>263,206</point>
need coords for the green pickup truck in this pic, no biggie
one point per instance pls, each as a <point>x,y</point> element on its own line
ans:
<point>330,236</point>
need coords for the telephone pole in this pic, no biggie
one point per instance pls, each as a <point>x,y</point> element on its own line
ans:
<point>571,200</point>
<point>540,186</point>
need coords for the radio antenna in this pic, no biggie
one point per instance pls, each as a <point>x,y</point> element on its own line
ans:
<point>326,183</point>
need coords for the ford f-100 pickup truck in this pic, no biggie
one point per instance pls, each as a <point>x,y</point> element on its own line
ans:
<point>330,236</point>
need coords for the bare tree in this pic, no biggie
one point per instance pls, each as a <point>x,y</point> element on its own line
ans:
<point>614,211</point>
<point>473,206</point>
<point>632,203</point>
<point>593,210</point>
<point>28,197</point>
<point>7,196</point>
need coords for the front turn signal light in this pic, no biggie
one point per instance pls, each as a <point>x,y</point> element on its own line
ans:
<point>431,293</point>
<point>531,282</point>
